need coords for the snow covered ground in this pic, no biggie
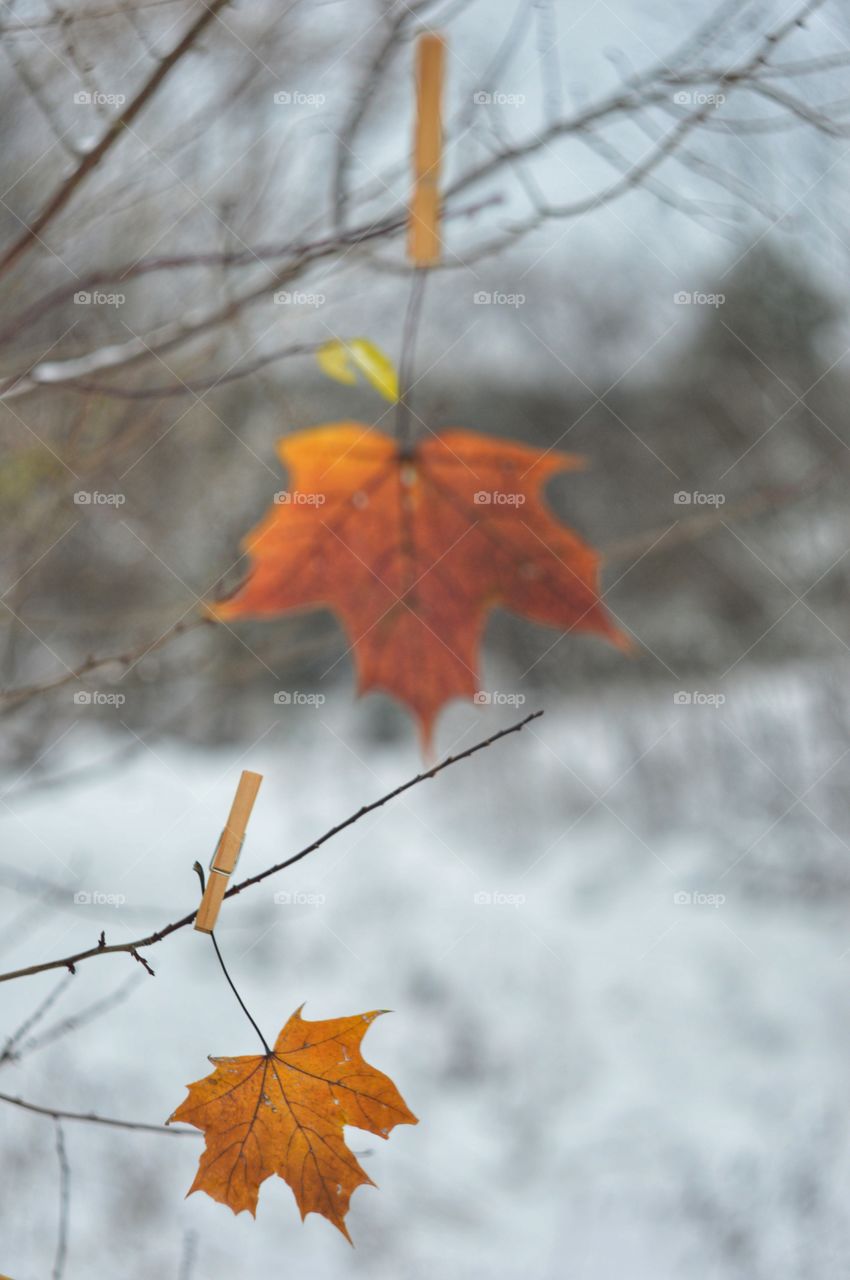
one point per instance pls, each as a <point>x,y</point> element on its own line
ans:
<point>632,1060</point>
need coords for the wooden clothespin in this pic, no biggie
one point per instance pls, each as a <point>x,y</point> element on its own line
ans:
<point>424,225</point>
<point>227,851</point>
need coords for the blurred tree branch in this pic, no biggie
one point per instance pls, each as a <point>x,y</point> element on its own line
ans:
<point>650,88</point>
<point>89,1117</point>
<point>124,660</point>
<point>55,203</point>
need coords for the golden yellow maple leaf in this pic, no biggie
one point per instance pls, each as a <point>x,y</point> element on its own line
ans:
<point>283,1113</point>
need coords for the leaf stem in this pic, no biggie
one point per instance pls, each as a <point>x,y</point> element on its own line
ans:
<point>242,1004</point>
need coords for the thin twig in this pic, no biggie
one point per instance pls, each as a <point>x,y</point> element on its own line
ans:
<point>361,100</point>
<point>126,659</point>
<point>675,533</point>
<point>10,1047</point>
<point>64,1203</point>
<point>625,102</point>
<point>194,388</point>
<point>88,15</point>
<point>73,1023</point>
<point>91,1118</point>
<point>187,1260</point>
<point>133,948</point>
<point>32,233</point>
<point>301,256</point>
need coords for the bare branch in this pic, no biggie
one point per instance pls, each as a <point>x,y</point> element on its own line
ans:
<point>10,1050</point>
<point>14,697</point>
<point>697,526</point>
<point>194,388</point>
<point>626,101</point>
<point>85,15</point>
<point>64,1203</point>
<point>133,948</point>
<point>175,333</point>
<point>90,1013</point>
<point>363,96</point>
<point>90,1118</point>
<point>55,203</point>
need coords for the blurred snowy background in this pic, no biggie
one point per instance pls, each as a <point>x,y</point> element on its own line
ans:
<point>632,1060</point>
<point>616,945</point>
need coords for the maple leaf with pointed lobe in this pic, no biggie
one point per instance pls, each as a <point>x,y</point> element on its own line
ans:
<point>411,549</point>
<point>283,1113</point>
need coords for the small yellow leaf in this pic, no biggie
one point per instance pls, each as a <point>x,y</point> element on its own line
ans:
<point>341,361</point>
<point>376,367</point>
<point>333,360</point>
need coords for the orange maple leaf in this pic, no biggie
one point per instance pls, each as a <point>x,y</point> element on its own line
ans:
<point>412,549</point>
<point>284,1113</point>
